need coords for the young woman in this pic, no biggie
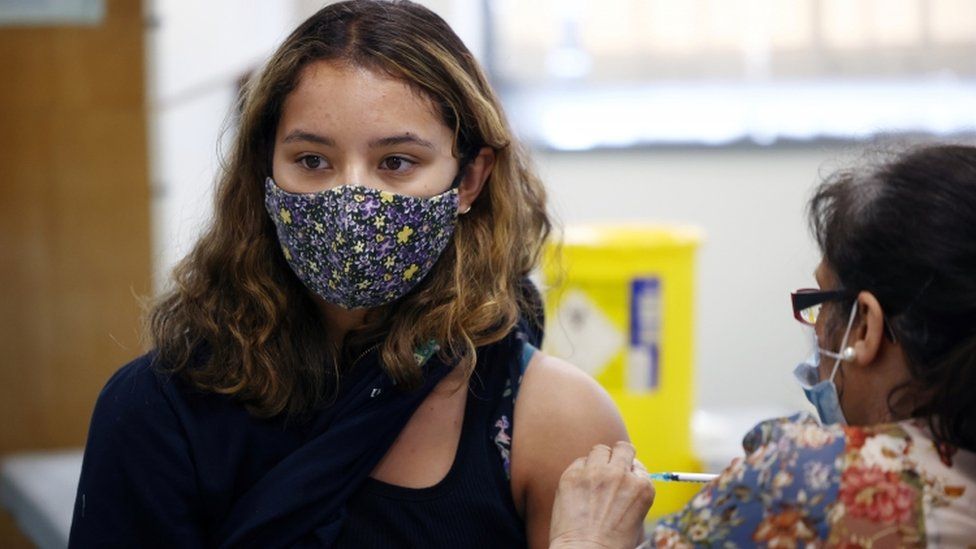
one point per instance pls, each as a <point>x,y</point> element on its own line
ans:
<point>338,361</point>
<point>894,462</point>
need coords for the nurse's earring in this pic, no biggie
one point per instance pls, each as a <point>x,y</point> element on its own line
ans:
<point>848,354</point>
<point>466,210</point>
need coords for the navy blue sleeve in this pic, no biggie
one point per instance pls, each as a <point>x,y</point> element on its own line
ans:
<point>138,485</point>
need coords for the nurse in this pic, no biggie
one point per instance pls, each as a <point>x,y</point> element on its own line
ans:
<point>891,461</point>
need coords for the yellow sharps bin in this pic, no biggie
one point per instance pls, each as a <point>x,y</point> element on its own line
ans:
<point>619,304</point>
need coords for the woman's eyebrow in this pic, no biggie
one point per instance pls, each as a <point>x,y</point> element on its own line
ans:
<point>400,140</point>
<point>302,135</point>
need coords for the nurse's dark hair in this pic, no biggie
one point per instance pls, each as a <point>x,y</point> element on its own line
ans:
<point>904,229</point>
<point>238,321</point>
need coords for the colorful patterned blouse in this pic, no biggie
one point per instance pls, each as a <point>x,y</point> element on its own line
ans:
<point>805,485</point>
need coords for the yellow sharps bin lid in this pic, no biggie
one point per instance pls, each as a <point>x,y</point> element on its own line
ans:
<point>631,235</point>
<point>617,250</point>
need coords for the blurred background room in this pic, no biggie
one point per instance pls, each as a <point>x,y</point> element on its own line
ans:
<point>710,118</point>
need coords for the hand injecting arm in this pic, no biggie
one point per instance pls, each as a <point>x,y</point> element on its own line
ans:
<point>601,501</point>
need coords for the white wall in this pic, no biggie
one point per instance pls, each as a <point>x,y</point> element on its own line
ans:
<point>197,51</point>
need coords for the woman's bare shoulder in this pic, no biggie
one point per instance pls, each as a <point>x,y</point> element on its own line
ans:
<point>556,395</point>
<point>560,414</point>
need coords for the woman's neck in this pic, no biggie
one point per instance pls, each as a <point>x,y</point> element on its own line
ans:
<point>340,321</point>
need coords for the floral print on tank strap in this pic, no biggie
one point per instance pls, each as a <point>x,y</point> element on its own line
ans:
<point>503,441</point>
<point>503,426</point>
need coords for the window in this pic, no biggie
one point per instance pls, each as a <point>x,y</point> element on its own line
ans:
<point>579,74</point>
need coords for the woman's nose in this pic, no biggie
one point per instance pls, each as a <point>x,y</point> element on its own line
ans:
<point>361,174</point>
<point>353,173</point>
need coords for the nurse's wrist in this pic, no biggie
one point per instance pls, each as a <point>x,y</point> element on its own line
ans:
<point>574,540</point>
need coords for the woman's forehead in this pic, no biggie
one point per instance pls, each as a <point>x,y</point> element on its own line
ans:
<point>337,98</point>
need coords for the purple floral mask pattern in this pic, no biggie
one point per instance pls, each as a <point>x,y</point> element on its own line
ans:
<point>360,247</point>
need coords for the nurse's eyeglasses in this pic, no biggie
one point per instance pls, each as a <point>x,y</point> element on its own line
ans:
<point>807,302</point>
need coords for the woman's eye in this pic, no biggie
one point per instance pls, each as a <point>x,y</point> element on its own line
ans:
<point>312,162</point>
<point>396,164</point>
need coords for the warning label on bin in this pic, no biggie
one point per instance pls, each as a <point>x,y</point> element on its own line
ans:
<point>583,335</point>
<point>645,334</point>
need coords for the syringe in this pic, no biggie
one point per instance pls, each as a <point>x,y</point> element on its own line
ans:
<point>683,477</point>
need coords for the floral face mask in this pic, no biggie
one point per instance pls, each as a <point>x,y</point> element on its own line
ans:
<point>361,247</point>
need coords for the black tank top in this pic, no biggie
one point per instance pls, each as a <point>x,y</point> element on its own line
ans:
<point>472,505</point>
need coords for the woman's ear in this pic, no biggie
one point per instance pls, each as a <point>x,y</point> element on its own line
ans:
<point>868,334</point>
<point>474,178</point>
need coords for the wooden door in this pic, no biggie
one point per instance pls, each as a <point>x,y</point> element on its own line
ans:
<point>74,220</point>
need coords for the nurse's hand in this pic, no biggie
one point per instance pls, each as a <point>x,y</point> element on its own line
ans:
<point>601,501</point>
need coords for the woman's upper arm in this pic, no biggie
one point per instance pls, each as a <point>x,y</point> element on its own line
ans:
<point>137,485</point>
<point>560,414</point>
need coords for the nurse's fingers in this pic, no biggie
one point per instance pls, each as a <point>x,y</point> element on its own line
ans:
<point>599,455</point>
<point>575,467</point>
<point>623,455</point>
<point>639,467</point>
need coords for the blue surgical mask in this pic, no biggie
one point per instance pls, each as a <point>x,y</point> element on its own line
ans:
<point>823,394</point>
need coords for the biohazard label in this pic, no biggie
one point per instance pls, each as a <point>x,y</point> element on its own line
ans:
<point>583,335</point>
